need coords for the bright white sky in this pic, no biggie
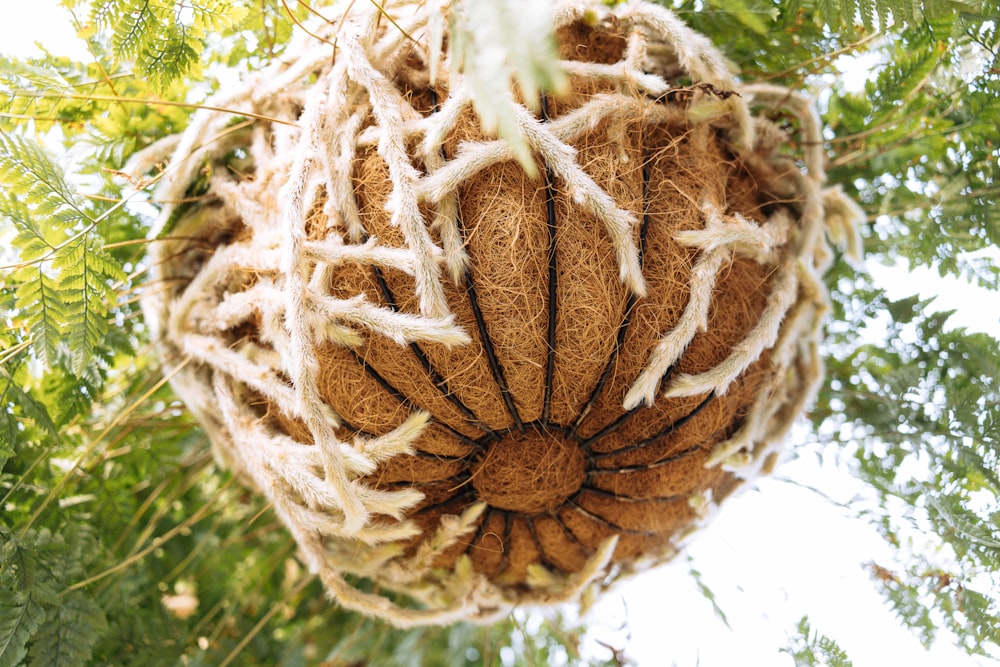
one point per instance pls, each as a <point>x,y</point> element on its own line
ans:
<point>772,555</point>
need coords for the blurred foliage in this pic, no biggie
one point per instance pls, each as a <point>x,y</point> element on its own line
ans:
<point>121,543</point>
<point>809,648</point>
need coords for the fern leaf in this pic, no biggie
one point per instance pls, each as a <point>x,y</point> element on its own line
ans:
<point>848,11</point>
<point>23,595</point>
<point>905,75</point>
<point>162,37</point>
<point>39,301</point>
<point>19,83</point>
<point>86,278</point>
<point>65,290</point>
<point>867,10</point>
<point>27,170</point>
<point>830,11</point>
<point>908,11</point>
<point>70,631</point>
<point>20,617</point>
<point>133,24</point>
<point>747,16</point>
<point>31,240</point>
<point>167,57</point>
<point>14,400</point>
<point>218,15</point>
<point>19,75</point>
<point>812,649</point>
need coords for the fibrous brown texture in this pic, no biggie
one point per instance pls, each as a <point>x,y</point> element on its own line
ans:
<point>474,384</point>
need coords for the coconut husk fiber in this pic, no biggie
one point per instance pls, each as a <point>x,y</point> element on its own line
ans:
<point>474,382</point>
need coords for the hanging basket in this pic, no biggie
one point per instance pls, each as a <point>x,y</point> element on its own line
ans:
<point>476,383</point>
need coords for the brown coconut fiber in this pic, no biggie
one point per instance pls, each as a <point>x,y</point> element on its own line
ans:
<point>473,384</point>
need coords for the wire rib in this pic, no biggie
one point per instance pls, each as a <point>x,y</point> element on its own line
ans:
<point>402,398</point>
<point>667,430</point>
<point>550,223</point>
<point>435,377</point>
<point>627,318</point>
<point>610,524</point>
<point>588,443</point>
<point>491,357</point>
<point>470,289</point>
<point>621,470</point>
<point>530,520</point>
<point>445,502</point>
<point>628,499</point>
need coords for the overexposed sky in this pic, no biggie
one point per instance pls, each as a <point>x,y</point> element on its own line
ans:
<point>772,554</point>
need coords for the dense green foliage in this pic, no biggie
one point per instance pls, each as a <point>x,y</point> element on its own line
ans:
<point>114,517</point>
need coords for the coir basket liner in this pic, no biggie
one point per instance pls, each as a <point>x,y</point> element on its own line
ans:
<point>473,382</point>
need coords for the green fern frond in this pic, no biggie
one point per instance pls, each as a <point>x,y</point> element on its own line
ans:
<point>905,75</point>
<point>36,621</point>
<point>22,74</point>
<point>750,16</point>
<point>217,15</point>
<point>15,404</point>
<point>830,11</point>
<point>813,649</point>
<point>65,284</point>
<point>132,23</point>
<point>70,631</point>
<point>86,278</point>
<point>883,14</point>
<point>866,8</point>
<point>28,172</point>
<point>23,594</point>
<point>167,57</point>
<point>21,82</point>
<point>39,302</point>
<point>164,38</point>
<point>32,240</point>
<point>20,617</point>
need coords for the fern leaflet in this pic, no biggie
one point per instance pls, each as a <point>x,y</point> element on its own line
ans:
<point>20,617</point>
<point>39,302</point>
<point>882,14</point>
<point>164,38</point>
<point>167,57</point>
<point>14,400</point>
<point>86,278</point>
<point>69,633</point>
<point>22,596</point>
<point>65,283</point>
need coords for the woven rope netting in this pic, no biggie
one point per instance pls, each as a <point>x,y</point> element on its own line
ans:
<point>477,383</point>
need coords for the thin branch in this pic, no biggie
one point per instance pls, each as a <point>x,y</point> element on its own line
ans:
<point>304,29</point>
<point>119,418</point>
<point>833,55</point>
<point>158,542</point>
<point>154,102</point>
<point>391,20</point>
<point>272,612</point>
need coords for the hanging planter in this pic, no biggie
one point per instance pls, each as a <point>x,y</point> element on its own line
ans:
<point>484,373</point>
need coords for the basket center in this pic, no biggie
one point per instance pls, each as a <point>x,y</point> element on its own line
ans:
<point>530,472</point>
